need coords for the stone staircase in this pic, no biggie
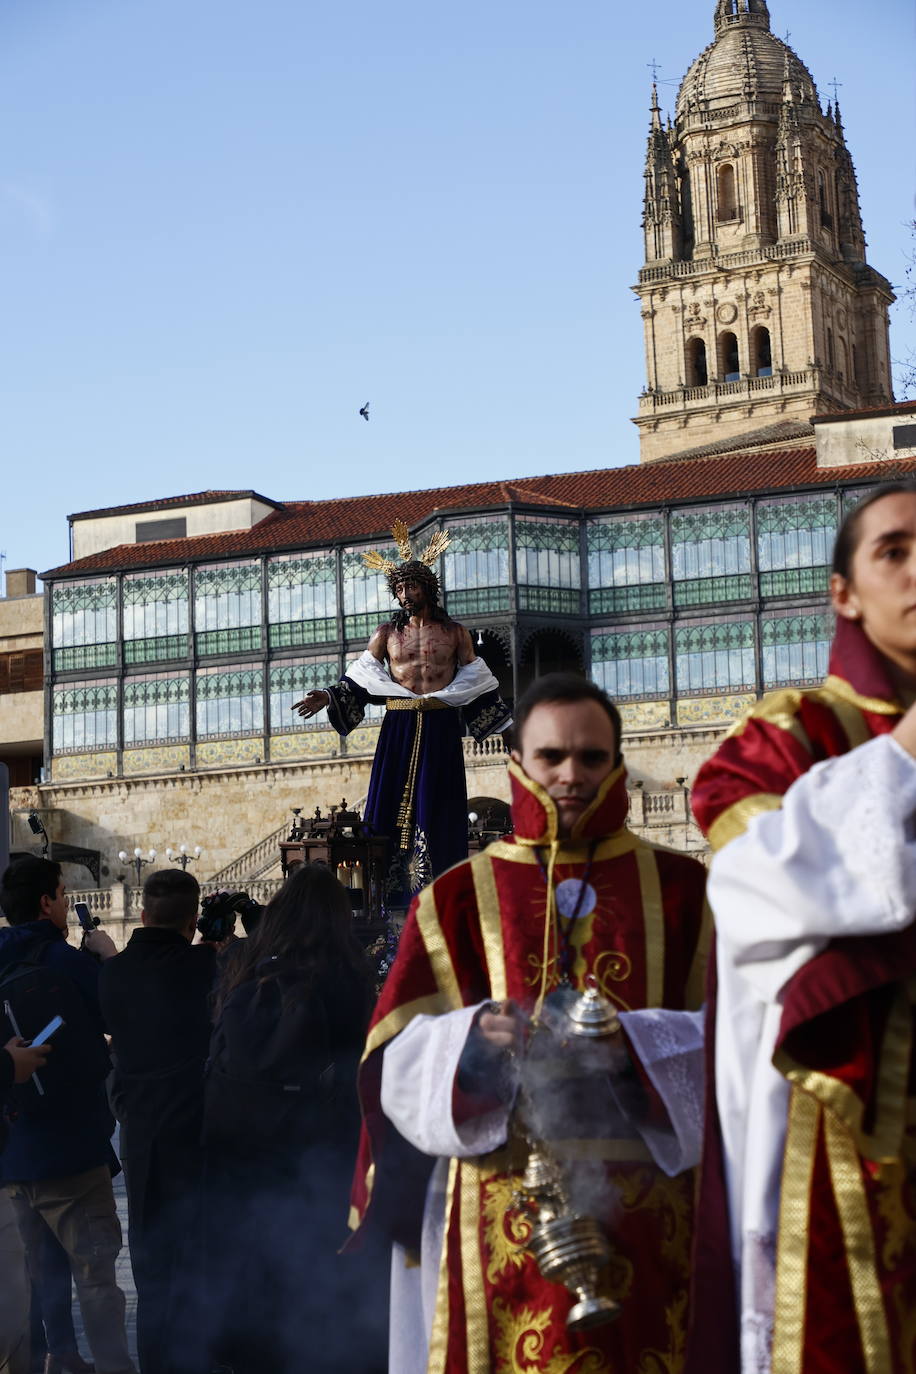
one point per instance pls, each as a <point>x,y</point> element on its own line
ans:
<point>256,862</point>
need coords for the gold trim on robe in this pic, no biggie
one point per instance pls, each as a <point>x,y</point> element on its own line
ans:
<point>792,1252</point>
<point>852,1206</point>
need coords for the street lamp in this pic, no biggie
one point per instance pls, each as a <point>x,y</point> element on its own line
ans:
<point>183,857</point>
<point>137,860</point>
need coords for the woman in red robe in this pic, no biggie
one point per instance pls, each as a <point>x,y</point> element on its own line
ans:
<point>810,1160</point>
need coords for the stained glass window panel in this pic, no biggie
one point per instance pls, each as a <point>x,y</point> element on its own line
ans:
<point>368,602</point>
<point>547,560</point>
<point>714,658</point>
<point>711,555</point>
<point>227,608</point>
<point>84,715</point>
<point>851,497</point>
<point>476,566</point>
<point>301,599</point>
<point>626,564</point>
<point>633,664</point>
<point>795,544</point>
<point>157,708</point>
<point>795,648</point>
<point>155,615</point>
<point>84,624</point>
<point>230,701</point>
<point>289,681</point>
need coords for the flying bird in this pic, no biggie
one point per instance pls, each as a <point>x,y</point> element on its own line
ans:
<point>365,411</point>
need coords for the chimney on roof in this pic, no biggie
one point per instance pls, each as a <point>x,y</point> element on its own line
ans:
<point>20,582</point>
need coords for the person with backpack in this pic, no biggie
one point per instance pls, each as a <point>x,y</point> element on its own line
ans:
<point>156,1000</point>
<point>57,1163</point>
<point>281,1123</point>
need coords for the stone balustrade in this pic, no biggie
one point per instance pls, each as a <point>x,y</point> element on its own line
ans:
<point>661,815</point>
<point>485,750</point>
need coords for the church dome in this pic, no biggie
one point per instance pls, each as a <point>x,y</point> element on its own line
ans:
<point>745,62</point>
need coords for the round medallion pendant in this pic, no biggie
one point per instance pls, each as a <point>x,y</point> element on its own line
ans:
<point>575,898</point>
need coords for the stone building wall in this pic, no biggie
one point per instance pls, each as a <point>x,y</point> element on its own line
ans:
<point>228,811</point>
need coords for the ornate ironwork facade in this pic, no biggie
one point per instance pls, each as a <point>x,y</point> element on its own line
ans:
<point>680,612</point>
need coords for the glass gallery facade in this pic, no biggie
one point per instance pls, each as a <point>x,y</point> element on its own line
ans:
<point>682,613</point>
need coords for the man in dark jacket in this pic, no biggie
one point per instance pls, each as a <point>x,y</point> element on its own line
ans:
<point>58,1160</point>
<point>155,997</point>
<point>18,1062</point>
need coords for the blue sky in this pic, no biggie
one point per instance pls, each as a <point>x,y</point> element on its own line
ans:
<point>224,226</point>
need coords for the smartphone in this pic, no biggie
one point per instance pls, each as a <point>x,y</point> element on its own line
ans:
<point>50,1029</point>
<point>84,916</point>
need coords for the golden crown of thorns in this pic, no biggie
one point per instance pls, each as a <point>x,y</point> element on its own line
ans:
<point>377,562</point>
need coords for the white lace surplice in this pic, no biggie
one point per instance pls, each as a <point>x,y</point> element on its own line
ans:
<point>839,859</point>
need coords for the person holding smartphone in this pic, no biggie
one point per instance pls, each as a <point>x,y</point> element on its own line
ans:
<point>57,1164</point>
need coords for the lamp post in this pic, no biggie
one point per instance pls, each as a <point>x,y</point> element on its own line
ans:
<point>182,856</point>
<point>137,860</point>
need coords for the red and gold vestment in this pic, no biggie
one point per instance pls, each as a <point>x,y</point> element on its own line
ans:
<point>845,1296</point>
<point>486,929</point>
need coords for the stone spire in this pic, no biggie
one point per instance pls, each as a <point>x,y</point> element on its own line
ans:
<point>849,228</point>
<point>661,205</point>
<point>791,207</point>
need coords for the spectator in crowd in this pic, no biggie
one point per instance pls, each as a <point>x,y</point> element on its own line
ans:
<point>281,1122</point>
<point>58,1163</point>
<point>17,1064</point>
<point>155,998</point>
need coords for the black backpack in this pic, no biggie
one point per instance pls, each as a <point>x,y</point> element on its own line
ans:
<point>271,1078</point>
<point>78,1063</point>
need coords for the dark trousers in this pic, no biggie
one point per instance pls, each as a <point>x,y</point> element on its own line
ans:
<point>163,1199</point>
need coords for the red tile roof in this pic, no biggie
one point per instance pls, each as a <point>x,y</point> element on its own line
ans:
<point>356,519</point>
<point>889,408</point>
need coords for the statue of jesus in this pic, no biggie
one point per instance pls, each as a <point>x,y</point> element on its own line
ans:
<point>422,664</point>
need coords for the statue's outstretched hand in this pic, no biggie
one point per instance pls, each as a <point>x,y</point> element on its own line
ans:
<point>311,703</point>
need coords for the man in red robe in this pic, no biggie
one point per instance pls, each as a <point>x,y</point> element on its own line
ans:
<point>572,894</point>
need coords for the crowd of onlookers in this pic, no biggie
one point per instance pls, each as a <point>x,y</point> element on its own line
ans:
<point>230,1067</point>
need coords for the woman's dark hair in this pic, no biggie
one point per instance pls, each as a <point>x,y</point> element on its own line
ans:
<point>847,539</point>
<point>308,924</point>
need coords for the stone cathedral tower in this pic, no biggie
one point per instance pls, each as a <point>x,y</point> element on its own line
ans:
<point>757,302</point>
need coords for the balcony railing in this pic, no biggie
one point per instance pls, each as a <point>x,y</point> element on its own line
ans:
<point>708,395</point>
<point>725,261</point>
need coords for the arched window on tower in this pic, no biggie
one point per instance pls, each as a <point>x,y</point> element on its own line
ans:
<point>697,370</point>
<point>761,352</point>
<point>826,217</point>
<point>844,360</point>
<point>726,195</point>
<point>729,361</point>
<point>831,353</point>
